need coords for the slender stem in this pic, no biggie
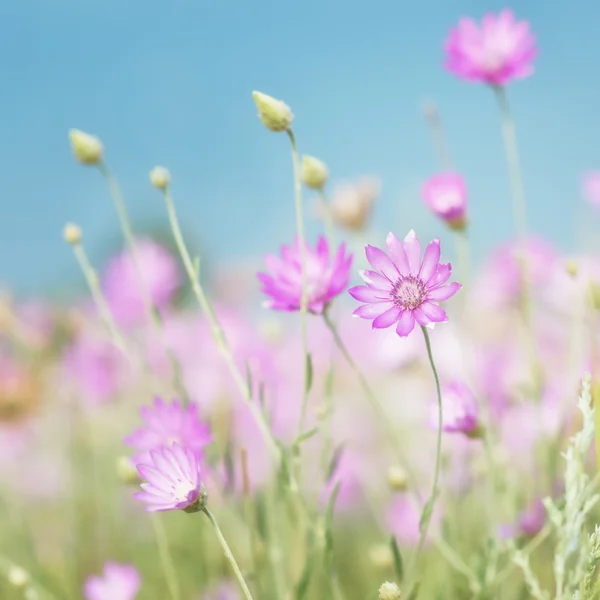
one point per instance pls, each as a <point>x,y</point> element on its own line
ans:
<point>327,218</point>
<point>166,558</point>
<point>228,554</point>
<point>438,137</point>
<point>428,510</point>
<point>462,251</point>
<point>304,295</point>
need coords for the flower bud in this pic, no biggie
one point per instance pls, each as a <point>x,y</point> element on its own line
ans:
<point>397,479</point>
<point>86,148</point>
<point>381,556</point>
<point>314,172</point>
<point>594,294</point>
<point>572,267</point>
<point>274,114</point>
<point>17,577</point>
<point>461,411</point>
<point>72,234</point>
<point>127,472</point>
<point>389,591</point>
<point>351,204</point>
<point>160,178</point>
<point>446,197</point>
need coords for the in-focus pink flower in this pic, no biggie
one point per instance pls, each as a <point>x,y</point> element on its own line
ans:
<point>167,423</point>
<point>446,196</point>
<point>325,278</point>
<point>590,188</point>
<point>117,582</point>
<point>460,412</point>
<point>496,51</point>
<point>173,480</point>
<point>158,270</point>
<point>402,289</point>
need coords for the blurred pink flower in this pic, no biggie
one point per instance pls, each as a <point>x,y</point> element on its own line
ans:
<point>460,411</point>
<point>224,591</point>
<point>325,277</point>
<point>168,423</point>
<point>403,520</point>
<point>529,523</point>
<point>590,188</point>
<point>348,473</point>
<point>158,270</point>
<point>495,52</point>
<point>173,480</point>
<point>404,289</point>
<point>117,582</point>
<point>446,196</point>
<point>37,319</point>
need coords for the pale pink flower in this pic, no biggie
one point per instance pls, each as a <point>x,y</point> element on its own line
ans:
<point>117,582</point>
<point>403,519</point>
<point>403,289</point>
<point>446,196</point>
<point>590,188</point>
<point>495,52</point>
<point>352,203</point>
<point>460,411</point>
<point>325,277</point>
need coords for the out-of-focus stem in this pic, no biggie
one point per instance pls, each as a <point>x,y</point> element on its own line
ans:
<point>327,219</point>
<point>165,557</point>
<point>438,136</point>
<point>304,295</point>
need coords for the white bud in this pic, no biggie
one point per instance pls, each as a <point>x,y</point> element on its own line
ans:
<point>274,114</point>
<point>126,471</point>
<point>314,172</point>
<point>397,479</point>
<point>381,556</point>
<point>160,178</point>
<point>389,591</point>
<point>72,234</point>
<point>17,576</point>
<point>86,148</point>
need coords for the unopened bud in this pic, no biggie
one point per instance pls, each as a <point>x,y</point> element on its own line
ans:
<point>572,267</point>
<point>86,148</point>
<point>594,292</point>
<point>274,114</point>
<point>126,471</point>
<point>397,479</point>
<point>72,234</point>
<point>389,591</point>
<point>17,576</point>
<point>160,178</point>
<point>314,172</point>
<point>381,556</point>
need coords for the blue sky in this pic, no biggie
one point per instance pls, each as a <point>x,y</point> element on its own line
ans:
<point>170,83</point>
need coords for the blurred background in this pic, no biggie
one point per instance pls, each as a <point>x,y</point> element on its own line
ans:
<point>170,83</point>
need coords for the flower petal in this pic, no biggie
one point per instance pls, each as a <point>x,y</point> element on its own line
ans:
<point>406,323</point>
<point>380,260</point>
<point>444,292</point>
<point>388,318</point>
<point>441,276</point>
<point>431,260</point>
<point>412,247</point>
<point>375,279</point>
<point>433,312</point>
<point>372,311</point>
<point>397,254</point>
<point>362,293</point>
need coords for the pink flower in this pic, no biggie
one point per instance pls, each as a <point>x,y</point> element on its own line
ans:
<point>225,591</point>
<point>168,423</point>
<point>530,522</point>
<point>173,480</point>
<point>446,196</point>
<point>120,282</point>
<point>590,188</point>
<point>325,278</point>
<point>118,582</point>
<point>403,289</point>
<point>460,411</point>
<point>495,52</point>
<point>403,520</point>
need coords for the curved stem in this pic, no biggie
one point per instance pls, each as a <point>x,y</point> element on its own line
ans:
<point>304,296</point>
<point>165,557</point>
<point>228,554</point>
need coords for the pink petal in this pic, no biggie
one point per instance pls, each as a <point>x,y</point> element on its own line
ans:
<point>421,317</point>
<point>397,254</point>
<point>406,323</point>
<point>441,276</point>
<point>372,311</point>
<point>444,292</point>
<point>433,312</point>
<point>379,260</point>
<point>431,260</point>
<point>375,279</point>
<point>412,247</point>
<point>387,319</point>
<point>363,293</point>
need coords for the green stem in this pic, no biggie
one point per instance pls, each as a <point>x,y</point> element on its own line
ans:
<point>304,296</point>
<point>328,219</point>
<point>463,254</point>
<point>165,557</point>
<point>438,137</point>
<point>228,554</point>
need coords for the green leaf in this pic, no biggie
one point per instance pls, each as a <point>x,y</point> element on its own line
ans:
<point>335,459</point>
<point>261,516</point>
<point>414,592</point>
<point>308,381</point>
<point>306,436</point>
<point>427,510</point>
<point>248,378</point>
<point>329,518</point>
<point>398,562</point>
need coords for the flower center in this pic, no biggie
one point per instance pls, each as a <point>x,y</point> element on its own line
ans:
<point>182,490</point>
<point>447,200</point>
<point>409,292</point>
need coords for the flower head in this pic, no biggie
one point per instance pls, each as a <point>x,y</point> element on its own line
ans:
<point>389,591</point>
<point>325,278</point>
<point>496,51</point>
<point>460,412</point>
<point>117,582</point>
<point>173,480</point>
<point>403,289</point>
<point>274,114</point>
<point>446,197</point>
<point>86,148</point>
<point>168,423</point>
<point>351,203</point>
<point>314,172</point>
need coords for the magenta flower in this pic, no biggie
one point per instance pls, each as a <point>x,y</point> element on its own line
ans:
<point>590,188</point>
<point>168,423</point>
<point>325,278</point>
<point>118,582</point>
<point>173,480</point>
<point>402,289</point>
<point>495,52</point>
<point>157,269</point>
<point>461,411</point>
<point>446,196</point>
